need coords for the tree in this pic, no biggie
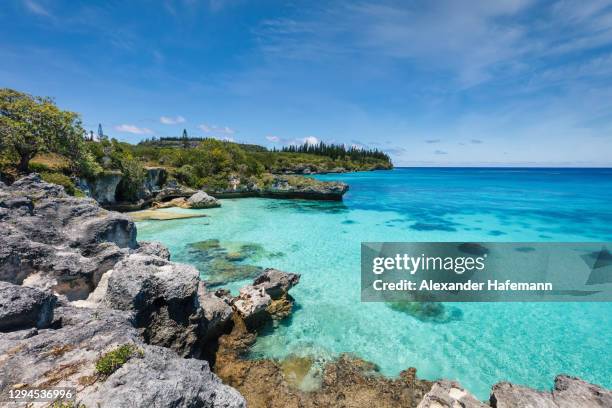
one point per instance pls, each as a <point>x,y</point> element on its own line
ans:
<point>185,139</point>
<point>100,132</point>
<point>32,124</point>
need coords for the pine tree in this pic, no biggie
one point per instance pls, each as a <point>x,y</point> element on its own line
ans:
<point>101,136</point>
<point>185,139</point>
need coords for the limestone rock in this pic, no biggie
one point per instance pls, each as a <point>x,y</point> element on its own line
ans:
<point>66,355</point>
<point>449,394</point>
<point>22,307</point>
<point>202,200</point>
<point>574,392</point>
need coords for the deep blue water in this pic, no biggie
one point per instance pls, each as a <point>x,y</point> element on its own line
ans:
<point>477,344</point>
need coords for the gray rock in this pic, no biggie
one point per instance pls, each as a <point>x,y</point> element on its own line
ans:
<point>252,302</point>
<point>164,297</point>
<point>66,357</point>
<point>172,189</point>
<point>217,311</point>
<point>449,394</point>
<point>276,283</point>
<point>66,242</point>
<point>570,392</point>
<point>103,188</point>
<point>153,248</point>
<point>203,200</point>
<point>23,308</point>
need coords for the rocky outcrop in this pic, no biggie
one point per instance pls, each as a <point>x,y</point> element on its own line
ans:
<point>24,308</point>
<point>103,188</point>
<point>54,241</point>
<point>283,186</point>
<point>198,200</point>
<point>568,392</point>
<point>66,356</point>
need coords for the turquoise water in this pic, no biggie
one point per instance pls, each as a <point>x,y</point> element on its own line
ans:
<point>477,344</point>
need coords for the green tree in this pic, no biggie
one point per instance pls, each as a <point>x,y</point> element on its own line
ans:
<point>185,139</point>
<point>31,124</point>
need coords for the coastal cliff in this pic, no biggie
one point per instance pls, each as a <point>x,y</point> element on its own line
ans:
<point>156,187</point>
<point>84,304</point>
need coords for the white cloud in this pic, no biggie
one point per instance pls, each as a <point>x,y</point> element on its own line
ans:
<point>274,139</point>
<point>133,129</point>
<point>36,8</point>
<point>311,140</point>
<point>225,130</point>
<point>169,120</point>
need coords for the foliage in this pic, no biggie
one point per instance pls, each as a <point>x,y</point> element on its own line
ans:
<point>114,359</point>
<point>335,151</point>
<point>31,124</point>
<point>62,180</point>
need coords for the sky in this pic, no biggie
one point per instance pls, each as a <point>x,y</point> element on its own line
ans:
<point>432,83</point>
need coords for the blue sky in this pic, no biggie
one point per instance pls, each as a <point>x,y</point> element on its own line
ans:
<point>505,82</point>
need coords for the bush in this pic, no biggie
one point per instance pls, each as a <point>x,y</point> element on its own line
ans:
<point>115,359</point>
<point>62,180</point>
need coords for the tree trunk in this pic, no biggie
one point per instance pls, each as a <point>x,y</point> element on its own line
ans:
<point>24,163</point>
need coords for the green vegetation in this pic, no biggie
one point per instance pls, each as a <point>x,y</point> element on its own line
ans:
<point>35,135</point>
<point>114,359</point>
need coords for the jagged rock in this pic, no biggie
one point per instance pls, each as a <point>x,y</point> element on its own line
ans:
<point>103,188</point>
<point>449,394</point>
<point>302,187</point>
<point>267,298</point>
<point>55,241</point>
<point>22,307</point>
<point>66,357</point>
<point>173,189</point>
<point>574,392</point>
<point>202,200</point>
<point>568,392</point>
<point>217,311</point>
<point>163,295</point>
<point>276,283</point>
<point>153,248</point>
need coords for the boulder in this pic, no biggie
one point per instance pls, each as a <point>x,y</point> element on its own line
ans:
<point>202,200</point>
<point>172,189</point>
<point>449,394</point>
<point>153,248</point>
<point>66,356</point>
<point>22,307</point>
<point>266,299</point>
<point>163,296</point>
<point>573,392</point>
<point>276,283</point>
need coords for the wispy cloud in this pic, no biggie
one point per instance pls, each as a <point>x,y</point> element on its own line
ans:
<point>431,141</point>
<point>476,141</point>
<point>125,128</point>
<point>36,8</point>
<point>225,130</point>
<point>274,139</point>
<point>311,140</point>
<point>169,120</point>
<point>440,152</point>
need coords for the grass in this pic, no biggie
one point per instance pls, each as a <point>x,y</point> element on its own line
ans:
<point>115,359</point>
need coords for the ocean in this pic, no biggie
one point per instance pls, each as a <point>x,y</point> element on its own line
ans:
<point>477,344</point>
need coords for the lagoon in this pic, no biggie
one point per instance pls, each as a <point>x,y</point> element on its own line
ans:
<point>476,344</point>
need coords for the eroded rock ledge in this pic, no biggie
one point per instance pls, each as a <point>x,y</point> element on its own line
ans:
<point>75,286</point>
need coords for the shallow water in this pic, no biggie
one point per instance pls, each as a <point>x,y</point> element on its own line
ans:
<point>477,344</point>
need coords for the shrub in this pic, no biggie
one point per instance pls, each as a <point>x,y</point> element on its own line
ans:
<point>62,180</point>
<point>115,359</point>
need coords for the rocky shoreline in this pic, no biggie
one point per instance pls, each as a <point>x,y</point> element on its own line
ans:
<point>157,189</point>
<point>84,305</point>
